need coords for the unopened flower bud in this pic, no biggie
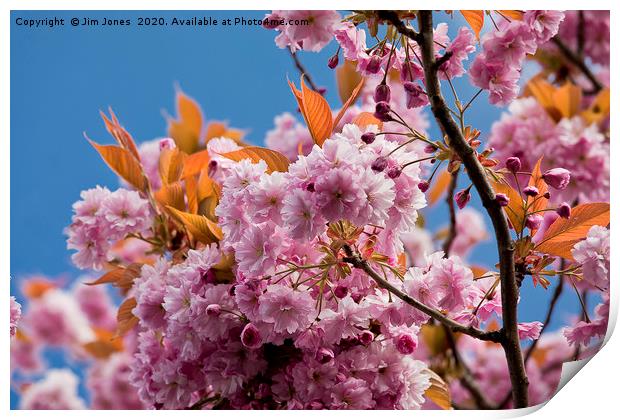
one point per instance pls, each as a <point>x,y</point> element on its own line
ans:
<point>564,210</point>
<point>332,63</point>
<point>382,111</point>
<point>424,186</point>
<point>394,172</point>
<point>310,187</point>
<point>533,221</point>
<point>462,198</point>
<point>214,309</point>
<point>379,164</point>
<point>502,199</point>
<point>416,97</point>
<point>406,343</point>
<point>374,65</point>
<point>167,143</point>
<point>366,337</point>
<point>250,337</point>
<point>369,137</point>
<point>558,178</point>
<point>547,195</point>
<point>382,93</point>
<point>212,168</point>
<point>430,149</point>
<point>530,191</point>
<point>513,164</point>
<point>341,291</point>
<point>324,355</point>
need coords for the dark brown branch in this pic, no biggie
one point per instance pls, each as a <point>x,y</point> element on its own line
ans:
<point>303,71</point>
<point>392,17</point>
<point>450,201</point>
<point>476,172</point>
<point>572,57</point>
<point>358,262</point>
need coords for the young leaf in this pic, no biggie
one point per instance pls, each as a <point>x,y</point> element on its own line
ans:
<point>347,78</point>
<point>203,229</point>
<point>195,163</point>
<point>348,103</point>
<point>511,14</point>
<point>125,318</point>
<point>316,113</point>
<point>536,180</point>
<point>475,19</point>
<point>543,92</point>
<point>364,119</point>
<point>119,133</point>
<point>559,239</point>
<point>35,288</point>
<point>105,344</point>
<point>515,210</point>
<point>123,163</point>
<point>275,161</point>
<point>171,163</point>
<point>439,187</point>
<point>599,108</point>
<point>191,192</point>
<point>567,99</point>
<point>187,128</point>
<point>171,195</point>
<point>111,276</point>
<point>220,129</point>
<point>438,392</point>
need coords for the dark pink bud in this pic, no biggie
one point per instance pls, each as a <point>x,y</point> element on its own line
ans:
<point>394,172</point>
<point>212,168</point>
<point>382,111</point>
<point>502,199</point>
<point>530,191</point>
<point>424,186</point>
<point>379,164</point>
<point>310,187</point>
<point>547,195</point>
<point>369,137</point>
<point>533,221</point>
<point>332,63</point>
<point>513,164</point>
<point>374,65</point>
<point>382,93</point>
<point>406,343</point>
<point>250,337</point>
<point>366,337</point>
<point>341,291</point>
<point>167,143</point>
<point>415,95</point>
<point>429,149</point>
<point>324,355</point>
<point>462,198</point>
<point>558,178</point>
<point>564,210</point>
<point>214,309</point>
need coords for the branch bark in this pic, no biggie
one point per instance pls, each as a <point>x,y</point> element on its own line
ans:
<point>450,201</point>
<point>358,262</point>
<point>575,59</point>
<point>505,247</point>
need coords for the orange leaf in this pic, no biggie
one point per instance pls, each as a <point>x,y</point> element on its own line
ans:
<point>539,202</point>
<point>511,14</point>
<point>316,113</point>
<point>171,163</point>
<point>125,318</point>
<point>439,187</point>
<point>191,191</point>
<point>475,19</point>
<point>564,233</point>
<point>201,227</point>
<point>119,133</point>
<point>347,78</point>
<point>36,287</point>
<point>195,163</point>
<point>515,210</point>
<point>543,92</point>
<point>567,99</point>
<point>121,277</point>
<point>599,108</point>
<point>275,161</point>
<point>220,129</point>
<point>111,276</point>
<point>364,119</point>
<point>438,392</point>
<point>123,163</point>
<point>171,195</point>
<point>186,129</point>
<point>105,345</point>
<point>348,103</point>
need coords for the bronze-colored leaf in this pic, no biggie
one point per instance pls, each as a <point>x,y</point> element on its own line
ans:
<point>348,103</point>
<point>125,318</point>
<point>511,14</point>
<point>171,163</point>
<point>599,109</point>
<point>475,19</point>
<point>567,99</point>
<point>105,344</point>
<point>316,113</point>
<point>439,187</point>
<point>275,161</point>
<point>119,133</point>
<point>201,227</point>
<point>171,195</point>
<point>364,119</point>
<point>123,163</point>
<point>438,392</point>
<point>186,129</point>
<point>539,202</point>
<point>195,163</point>
<point>515,210</point>
<point>563,234</point>
<point>347,78</point>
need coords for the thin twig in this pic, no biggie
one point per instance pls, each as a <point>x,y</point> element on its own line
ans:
<point>571,56</point>
<point>303,71</point>
<point>509,289</point>
<point>450,201</point>
<point>358,262</point>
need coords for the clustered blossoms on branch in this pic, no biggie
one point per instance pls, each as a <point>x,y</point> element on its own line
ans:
<point>304,276</point>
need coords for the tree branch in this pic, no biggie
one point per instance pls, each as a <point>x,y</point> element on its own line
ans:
<point>505,247</point>
<point>572,57</point>
<point>303,71</point>
<point>358,262</point>
<point>392,17</point>
<point>450,201</point>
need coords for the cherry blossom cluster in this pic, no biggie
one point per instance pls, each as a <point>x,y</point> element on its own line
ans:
<point>102,218</point>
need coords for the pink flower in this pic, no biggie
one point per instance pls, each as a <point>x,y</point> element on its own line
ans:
<point>529,330</point>
<point>416,97</point>
<point>406,343</point>
<point>288,310</point>
<point>346,321</point>
<point>459,48</point>
<point>351,40</point>
<point>289,136</point>
<point>544,23</point>
<point>338,195</point>
<point>379,197</point>
<point>352,394</point>
<point>16,312</point>
<point>593,253</point>
<point>125,211</point>
<point>301,215</point>
<point>266,197</point>
<point>259,249</point>
<point>310,30</point>
<point>584,332</point>
<point>58,390</point>
<point>470,230</point>
<point>496,77</point>
<point>97,305</point>
<point>557,178</point>
<point>87,209</point>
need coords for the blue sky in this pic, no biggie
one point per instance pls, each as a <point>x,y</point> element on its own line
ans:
<point>62,77</point>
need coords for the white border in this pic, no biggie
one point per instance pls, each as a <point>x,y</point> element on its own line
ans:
<point>592,394</point>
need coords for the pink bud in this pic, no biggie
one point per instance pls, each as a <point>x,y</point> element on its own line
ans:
<point>513,164</point>
<point>366,337</point>
<point>502,199</point>
<point>341,291</point>
<point>558,178</point>
<point>382,111</point>
<point>214,309</point>
<point>533,221</point>
<point>424,186</point>
<point>564,210</point>
<point>394,172</point>
<point>332,63</point>
<point>374,65</point>
<point>324,355</point>
<point>250,337</point>
<point>406,343</point>
<point>462,198</point>
<point>382,93</point>
<point>167,143</point>
<point>379,164</point>
<point>369,137</point>
<point>415,95</point>
<point>530,191</point>
<point>212,168</point>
